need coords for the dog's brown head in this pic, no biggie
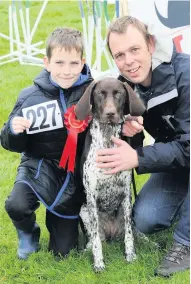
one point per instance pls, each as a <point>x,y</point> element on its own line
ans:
<point>109,100</point>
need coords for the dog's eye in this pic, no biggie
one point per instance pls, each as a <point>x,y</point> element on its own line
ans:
<point>102,93</point>
<point>118,94</point>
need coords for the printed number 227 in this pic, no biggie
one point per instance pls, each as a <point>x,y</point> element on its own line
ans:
<point>41,112</point>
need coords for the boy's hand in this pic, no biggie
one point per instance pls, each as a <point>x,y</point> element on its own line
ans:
<point>20,124</point>
<point>132,126</point>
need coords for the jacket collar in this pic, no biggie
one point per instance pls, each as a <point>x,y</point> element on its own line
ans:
<point>162,53</point>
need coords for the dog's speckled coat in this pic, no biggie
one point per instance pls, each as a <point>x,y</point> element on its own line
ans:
<point>107,214</point>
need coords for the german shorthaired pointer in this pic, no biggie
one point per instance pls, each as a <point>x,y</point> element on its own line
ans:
<point>107,214</point>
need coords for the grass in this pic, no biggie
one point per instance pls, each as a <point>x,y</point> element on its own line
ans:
<point>42,267</point>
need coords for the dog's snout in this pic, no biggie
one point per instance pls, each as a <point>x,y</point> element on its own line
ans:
<point>110,113</point>
<point>110,109</point>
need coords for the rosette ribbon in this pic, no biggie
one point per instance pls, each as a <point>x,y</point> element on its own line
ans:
<point>74,126</point>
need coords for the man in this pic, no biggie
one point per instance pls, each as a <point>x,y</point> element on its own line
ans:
<point>161,79</point>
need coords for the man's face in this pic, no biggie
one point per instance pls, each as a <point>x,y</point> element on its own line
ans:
<point>65,66</point>
<point>132,55</point>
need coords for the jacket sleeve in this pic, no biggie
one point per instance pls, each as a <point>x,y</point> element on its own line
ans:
<point>9,140</point>
<point>162,157</point>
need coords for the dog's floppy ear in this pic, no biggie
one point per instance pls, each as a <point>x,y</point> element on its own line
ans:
<point>83,107</point>
<point>135,105</point>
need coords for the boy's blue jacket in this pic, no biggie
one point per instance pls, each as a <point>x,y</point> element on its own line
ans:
<point>61,193</point>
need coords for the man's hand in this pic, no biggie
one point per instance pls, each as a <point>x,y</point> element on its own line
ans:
<point>115,160</point>
<point>20,124</point>
<point>133,126</point>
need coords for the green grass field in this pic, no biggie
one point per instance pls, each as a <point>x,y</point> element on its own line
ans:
<point>42,267</point>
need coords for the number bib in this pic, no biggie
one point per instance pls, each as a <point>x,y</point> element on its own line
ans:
<point>43,117</point>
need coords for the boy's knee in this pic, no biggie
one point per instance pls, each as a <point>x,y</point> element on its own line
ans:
<point>62,248</point>
<point>16,210</point>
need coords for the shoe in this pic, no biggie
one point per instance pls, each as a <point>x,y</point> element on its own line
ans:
<point>177,259</point>
<point>28,242</point>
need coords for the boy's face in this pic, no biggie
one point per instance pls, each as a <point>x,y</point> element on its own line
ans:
<point>64,66</point>
<point>132,55</point>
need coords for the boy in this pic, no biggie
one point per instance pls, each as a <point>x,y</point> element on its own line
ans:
<point>35,128</point>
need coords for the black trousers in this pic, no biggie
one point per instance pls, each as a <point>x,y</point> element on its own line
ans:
<point>20,206</point>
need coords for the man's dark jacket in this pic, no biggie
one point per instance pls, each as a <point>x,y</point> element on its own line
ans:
<point>167,118</point>
<point>42,151</point>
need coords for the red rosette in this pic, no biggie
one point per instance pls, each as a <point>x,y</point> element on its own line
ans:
<point>74,127</point>
<point>72,123</point>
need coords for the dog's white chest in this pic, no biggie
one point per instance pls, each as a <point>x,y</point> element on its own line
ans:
<point>109,190</point>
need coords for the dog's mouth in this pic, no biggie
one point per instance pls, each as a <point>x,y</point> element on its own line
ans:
<point>108,119</point>
<point>111,122</point>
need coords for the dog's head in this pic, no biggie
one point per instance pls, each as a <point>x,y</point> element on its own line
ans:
<point>108,100</point>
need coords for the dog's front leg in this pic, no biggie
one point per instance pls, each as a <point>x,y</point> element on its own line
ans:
<point>129,239</point>
<point>84,214</point>
<point>96,241</point>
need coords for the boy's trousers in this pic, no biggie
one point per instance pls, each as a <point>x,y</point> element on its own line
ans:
<point>20,206</point>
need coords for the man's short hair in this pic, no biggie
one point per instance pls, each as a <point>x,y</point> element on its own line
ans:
<point>119,26</point>
<point>66,38</point>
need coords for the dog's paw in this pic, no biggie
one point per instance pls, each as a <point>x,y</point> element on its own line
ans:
<point>99,267</point>
<point>130,257</point>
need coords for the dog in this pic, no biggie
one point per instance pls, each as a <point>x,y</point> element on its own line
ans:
<point>107,213</point>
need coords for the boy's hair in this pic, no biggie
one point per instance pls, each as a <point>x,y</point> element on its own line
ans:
<point>66,38</point>
<point>119,26</point>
